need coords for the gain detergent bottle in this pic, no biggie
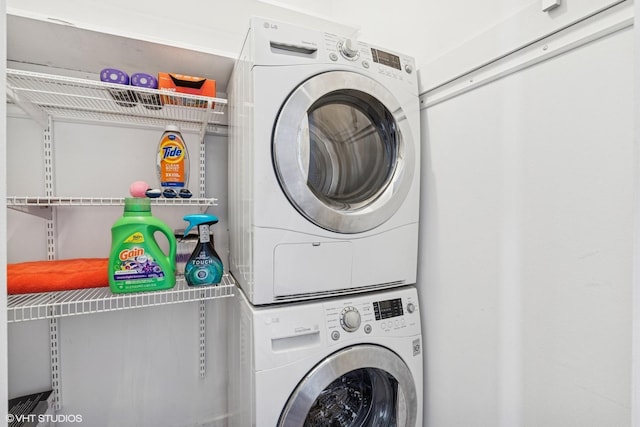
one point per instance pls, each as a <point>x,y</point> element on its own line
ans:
<point>136,262</point>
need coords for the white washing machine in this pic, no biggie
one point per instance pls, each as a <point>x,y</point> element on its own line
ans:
<point>351,361</point>
<point>324,161</point>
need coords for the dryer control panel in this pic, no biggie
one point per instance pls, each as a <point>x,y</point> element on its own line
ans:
<point>371,59</point>
<point>377,314</point>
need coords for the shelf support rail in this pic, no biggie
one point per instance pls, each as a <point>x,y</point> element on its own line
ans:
<point>202,165</point>
<point>49,191</point>
<point>203,346</point>
<point>55,360</point>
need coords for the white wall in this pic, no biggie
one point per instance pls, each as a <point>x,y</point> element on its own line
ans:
<point>527,245</point>
<point>427,30</point>
<point>505,33</point>
<point>3,224</point>
<point>636,295</point>
<point>207,26</point>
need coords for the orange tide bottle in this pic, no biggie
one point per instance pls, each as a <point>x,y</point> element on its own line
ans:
<point>173,160</point>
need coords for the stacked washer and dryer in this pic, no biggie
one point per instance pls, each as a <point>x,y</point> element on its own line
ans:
<point>324,160</point>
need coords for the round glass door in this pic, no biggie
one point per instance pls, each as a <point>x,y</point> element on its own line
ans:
<point>361,386</point>
<point>343,153</point>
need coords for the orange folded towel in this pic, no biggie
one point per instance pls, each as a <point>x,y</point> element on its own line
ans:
<point>59,275</point>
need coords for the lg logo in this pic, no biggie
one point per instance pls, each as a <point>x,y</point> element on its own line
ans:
<point>272,26</point>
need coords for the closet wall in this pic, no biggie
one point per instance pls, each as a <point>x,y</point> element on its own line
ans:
<point>3,219</point>
<point>527,256</point>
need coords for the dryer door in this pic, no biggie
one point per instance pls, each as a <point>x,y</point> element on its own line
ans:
<point>360,386</point>
<point>343,152</point>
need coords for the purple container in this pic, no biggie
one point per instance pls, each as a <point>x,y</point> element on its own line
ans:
<point>149,100</point>
<point>124,98</point>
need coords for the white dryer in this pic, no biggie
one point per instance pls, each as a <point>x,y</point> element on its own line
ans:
<point>351,361</point>
<point>324,160</point>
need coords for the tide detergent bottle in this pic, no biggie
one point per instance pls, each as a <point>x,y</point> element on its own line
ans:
<point>136,261</point>
<point>204,266</point>
<point>173,160</point>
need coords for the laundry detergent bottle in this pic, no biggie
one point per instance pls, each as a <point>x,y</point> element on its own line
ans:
<point>173,160</point>
<point>136,262</point>
<point>204,267</point>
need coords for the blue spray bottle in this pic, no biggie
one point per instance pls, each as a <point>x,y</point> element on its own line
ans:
<point>204,266</point>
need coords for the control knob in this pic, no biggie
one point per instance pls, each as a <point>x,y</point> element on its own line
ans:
<point>350,319</point>
<point>348,49</point>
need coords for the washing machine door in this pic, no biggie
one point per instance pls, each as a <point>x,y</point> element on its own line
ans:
<point>360,386</point>
<point>343,151</point>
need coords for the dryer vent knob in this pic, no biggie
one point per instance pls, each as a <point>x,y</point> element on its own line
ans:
<point>349,49</point>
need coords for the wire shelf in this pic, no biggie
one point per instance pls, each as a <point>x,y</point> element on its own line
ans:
<point>80,99</point>
<point>101,201</point>
<point>47,305</point>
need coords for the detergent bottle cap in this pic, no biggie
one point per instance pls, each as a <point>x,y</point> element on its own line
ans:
<point>137,204</point>
<point>172,128</point>
<point>197,219</point>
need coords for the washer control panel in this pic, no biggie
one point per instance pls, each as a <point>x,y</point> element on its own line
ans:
<point>388,309</point>
<point>377,314</point>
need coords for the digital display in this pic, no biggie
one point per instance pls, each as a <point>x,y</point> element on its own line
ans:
<point>386,58</point>
<point>387,309</point>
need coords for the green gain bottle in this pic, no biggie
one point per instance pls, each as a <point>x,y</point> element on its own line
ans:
<point>204,266</point>
<point>136,262</point>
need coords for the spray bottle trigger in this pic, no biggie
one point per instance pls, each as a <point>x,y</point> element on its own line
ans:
<point>197,219</point>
